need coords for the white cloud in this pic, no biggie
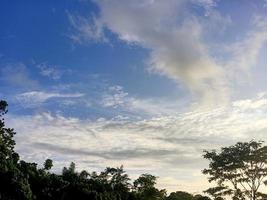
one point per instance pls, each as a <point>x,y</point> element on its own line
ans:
<point>33,98</point>
<point>114,97</point>
<point>174,142</point>
<point>174,38</point>
<point>207,4</point>
<point>246,51</point>
<point>49,71</point>
<point>86,31</point>
<point>180,42</point>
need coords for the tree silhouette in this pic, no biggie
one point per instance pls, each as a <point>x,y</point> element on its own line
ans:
<point>180,195</point>
<point>146,190</point>
<point>13,184</point>
<point>239,170</point>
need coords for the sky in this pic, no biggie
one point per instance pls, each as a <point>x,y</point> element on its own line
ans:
<point>148,84</point>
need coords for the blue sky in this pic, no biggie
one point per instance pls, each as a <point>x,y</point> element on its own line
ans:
<point>105,83</point>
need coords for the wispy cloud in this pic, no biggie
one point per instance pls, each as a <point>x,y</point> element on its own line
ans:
<point>35,98</point>
<point>207,4</point>
<point>114,97</point>
<point>117,98</point>
<point>86,31</point>
<point>246,51</point>
<point>17,74</point>
<point>50,71</point>
<point>173,141</point>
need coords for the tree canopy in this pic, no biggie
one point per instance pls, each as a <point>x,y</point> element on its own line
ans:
<point>239,171</point>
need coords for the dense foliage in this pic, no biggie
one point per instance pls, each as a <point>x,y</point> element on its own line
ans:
<point>239,171</point>
<point>20,180</point>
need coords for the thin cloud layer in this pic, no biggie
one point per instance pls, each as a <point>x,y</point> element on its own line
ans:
<point>36,98</point>
<point>245,52</point>
<point>17,74</point>
<point>174,141</point>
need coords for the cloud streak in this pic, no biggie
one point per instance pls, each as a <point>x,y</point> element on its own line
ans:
<point>35,98</point>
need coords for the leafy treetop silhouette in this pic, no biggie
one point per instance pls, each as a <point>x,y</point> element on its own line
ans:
<point>239,171</point>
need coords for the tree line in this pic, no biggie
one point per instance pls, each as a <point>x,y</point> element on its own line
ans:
<point>238,172</point>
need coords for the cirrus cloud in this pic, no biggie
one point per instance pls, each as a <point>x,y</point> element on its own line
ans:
<point>33,98</point>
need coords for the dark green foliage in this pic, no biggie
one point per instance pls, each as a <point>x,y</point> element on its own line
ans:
<point>48,164</point>
<point>13,184</point>
<point>181,195</point>
<point>239,170</point>
<point>200,197</point>
<point>145,189</point>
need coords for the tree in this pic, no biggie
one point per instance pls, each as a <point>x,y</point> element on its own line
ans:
<point>146,190</point>
<point>13,184</point>
<point>118,182</point>
<point>200,197</point>
<point>48,164</point>
<point>7,142</point>
<point>180,195</point>
<point>239,170</point>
